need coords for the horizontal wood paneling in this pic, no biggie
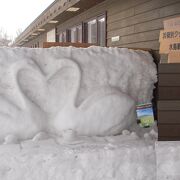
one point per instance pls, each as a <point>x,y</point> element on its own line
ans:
<point>148,6</point>
<point>169,80</point>
<point>169,68</point>
<point>170,10</point>
<point>169,105</point>
<point>121,15</point>
<point>147,21</point>
<point>161,138</point>
<point>121,5</point>
<point>169,117</point>
<point>139,37</point>
<point>169,93</point>
<point>167,130</point>
<point>149,25</point>
<point>148,44</point>
<point>147,16</point>
<point>122,32</point>
<point>169,102</point>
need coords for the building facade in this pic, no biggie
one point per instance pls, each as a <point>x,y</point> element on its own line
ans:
<point>121,23</point>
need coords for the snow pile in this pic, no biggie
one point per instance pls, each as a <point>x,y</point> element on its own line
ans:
<point>168,160</point>
<point>122,157</point>
<point>90,91</point>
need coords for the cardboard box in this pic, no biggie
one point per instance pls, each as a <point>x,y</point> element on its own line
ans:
<point>169,35</point>
<point>169,46</point>
<point>172,23</point>
<point>174,57</point>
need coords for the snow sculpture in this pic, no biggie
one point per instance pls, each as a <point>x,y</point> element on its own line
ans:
<point>90,91</point>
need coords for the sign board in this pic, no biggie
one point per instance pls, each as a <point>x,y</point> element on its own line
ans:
<point>170,46</point>
<point>115,38</point>
<point>172,23</point>
<point>170,35</point>
<point>174,57</point>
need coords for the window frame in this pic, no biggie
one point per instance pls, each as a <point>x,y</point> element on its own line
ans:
<point>83,24</point>
<point>76,27</point>
<point>85,36</point>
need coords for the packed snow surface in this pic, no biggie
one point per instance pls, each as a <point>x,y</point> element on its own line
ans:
<point>90,91</point>
<point>123,157</point>
<point>168,160</point>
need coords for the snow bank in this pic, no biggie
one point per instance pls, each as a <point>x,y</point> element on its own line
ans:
<point>168,160</point>
<point>123,157</point>
<point>91,91</point>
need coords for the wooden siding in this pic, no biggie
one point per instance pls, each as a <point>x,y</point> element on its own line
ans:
<point>169,80</point>
<point>169,102</point>
<point>169,105</point>
<point>137,22</point>
<point>169,130</point>
<point>169,117</point>
<point>169,68</point>
<point>169,93</point>
<point>146,21</point>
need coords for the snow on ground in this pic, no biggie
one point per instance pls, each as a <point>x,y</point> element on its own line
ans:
<point>125,157</point>
<point>168,160</point>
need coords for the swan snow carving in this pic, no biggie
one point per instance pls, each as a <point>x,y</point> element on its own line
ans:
<point>47,102</point>
<point>20,117</point>
<point>105,112</point>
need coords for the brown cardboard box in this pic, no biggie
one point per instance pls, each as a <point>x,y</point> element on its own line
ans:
<point>169,46</point>
<point>174,57</point>
<point>170,35</point>
<point>172,23</point>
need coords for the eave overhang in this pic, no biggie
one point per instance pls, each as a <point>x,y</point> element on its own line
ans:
<point>57,11</point>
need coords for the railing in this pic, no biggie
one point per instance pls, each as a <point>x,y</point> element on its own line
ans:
<point>65,44</point>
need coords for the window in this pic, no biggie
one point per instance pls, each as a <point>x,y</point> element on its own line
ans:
<point>79,33</point>
<point>95,31</point>
<point>102,31</point>
<point>75,34</point>
<point>62,37</point>
<point>91,31</point>
<point>51,35</point>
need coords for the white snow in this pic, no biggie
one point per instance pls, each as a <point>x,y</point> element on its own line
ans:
<point>61,107</point>
<point>168,160</point>
<point>91,91</point>
<point>122,157</point>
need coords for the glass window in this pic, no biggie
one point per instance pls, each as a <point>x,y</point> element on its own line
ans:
<point>102,31</point>
<point>62,37</point>
<point>73,35</point>
<point>79,33</point>
<point>92,31</point>
<point>95,31</point>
